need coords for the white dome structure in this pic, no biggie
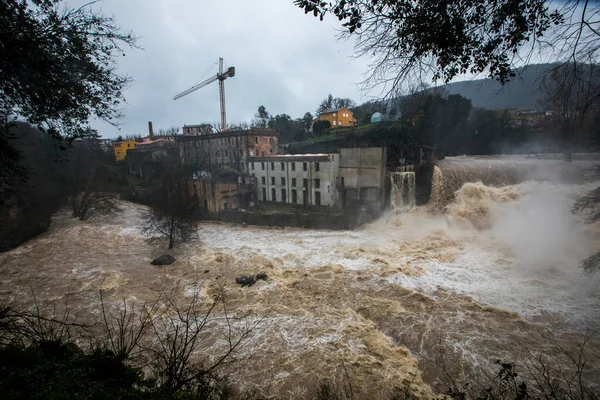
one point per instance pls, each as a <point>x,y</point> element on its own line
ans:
<point>376,117</point>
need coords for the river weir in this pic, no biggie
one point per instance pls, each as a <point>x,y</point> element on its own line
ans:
<point>488,269</point>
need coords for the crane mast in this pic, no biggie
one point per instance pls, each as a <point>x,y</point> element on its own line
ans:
<point>222,95</point>
<point>221,76</point>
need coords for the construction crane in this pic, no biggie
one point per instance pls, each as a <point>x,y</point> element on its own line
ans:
<point>221,76</point>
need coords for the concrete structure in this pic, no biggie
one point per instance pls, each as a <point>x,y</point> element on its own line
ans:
<point>146,162</point>
<point>223,192</point>
<point>338,117</point>
<point>361,177</point>
<point>302,179</point>
<point>121,148</point>
<point>198,130</point>
<point>227,150</point>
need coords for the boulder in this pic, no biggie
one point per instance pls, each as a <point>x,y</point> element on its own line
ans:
<point>164,260</point>
<point>245,280</point>
<point>262,276</point>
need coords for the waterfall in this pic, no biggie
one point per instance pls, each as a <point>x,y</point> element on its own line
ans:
<point>403,190</point>
<point>451,174</point>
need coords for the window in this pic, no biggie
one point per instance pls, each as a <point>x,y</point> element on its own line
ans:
<point>262,166</point>
<point>264,193</point>
<point>226,153</point>
<point>272,166</point>
<point>316,166</point>
<point>263,180</point>
<point>318,198</point>
<point>256,139</point>
<point>294,196</point>
<point>273,194</point>
<point>317,183</point>
<point>273,180</point>
<point>282,181</point>
<point>252,166</point>
<point>305,166</point>
<point>334,114</point>
<point>283,196</point>
<point>293,182</point>
<point>305,183</point>
<point>263,153</point>
<point>334,122</point>
<point>283,166</point>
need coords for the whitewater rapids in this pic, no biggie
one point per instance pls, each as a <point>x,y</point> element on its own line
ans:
<point>496,273</point>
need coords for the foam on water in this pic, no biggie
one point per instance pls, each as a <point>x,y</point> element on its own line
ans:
<point>490,275</point>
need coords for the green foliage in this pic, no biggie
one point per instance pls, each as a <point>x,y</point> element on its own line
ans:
<point>321,127</point>
<point>455,37</point>
<point>57,70</point>
<point>262,117</point>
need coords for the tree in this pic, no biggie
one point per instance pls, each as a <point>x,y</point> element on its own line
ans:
<point>326,104</point>
<point>321,126</point>
<point>344,102</point>
<point>57,70</point>
<point>589,204</point>
<point>172,205</point>
<point>262,118</point>
<point>307,120</point>
<point>287,128</point>
<point>570,91</point>
<point>93,181</point>
<point>446,38</point>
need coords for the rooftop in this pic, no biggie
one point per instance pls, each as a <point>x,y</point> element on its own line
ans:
<point>334,110</point>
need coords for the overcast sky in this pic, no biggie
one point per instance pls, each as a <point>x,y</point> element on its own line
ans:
<point>284,59</point>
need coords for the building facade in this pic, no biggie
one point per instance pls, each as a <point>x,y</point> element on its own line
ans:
<point>227,150</point>
<point>338,117</point>
<point>121,148</point>
<point>224,192</point>
<point>307,180</point>
<point>198,130</point>
<point>361,177</point>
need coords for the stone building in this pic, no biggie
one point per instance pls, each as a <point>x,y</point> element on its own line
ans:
<point>353,177</point>
<point>302,179</point>
<point>228,150</point>
<point>223,192</point>
<point>361,177</point>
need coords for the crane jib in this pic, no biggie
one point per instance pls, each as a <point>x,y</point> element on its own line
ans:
<point>220,76</point>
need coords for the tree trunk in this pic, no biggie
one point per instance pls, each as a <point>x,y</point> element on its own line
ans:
<point>172,228</point>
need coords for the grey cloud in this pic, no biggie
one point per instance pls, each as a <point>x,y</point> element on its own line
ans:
<point>284,59</point>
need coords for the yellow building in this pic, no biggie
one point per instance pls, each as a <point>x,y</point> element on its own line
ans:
<point>338,117</point>
<point>122,147</point>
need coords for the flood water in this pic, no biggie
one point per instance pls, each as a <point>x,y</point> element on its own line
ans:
<point>488,269</point>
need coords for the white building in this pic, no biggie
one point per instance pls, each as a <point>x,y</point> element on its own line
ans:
<point>304,179</point>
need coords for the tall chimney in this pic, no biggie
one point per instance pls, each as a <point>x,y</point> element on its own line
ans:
<point>150,130</point>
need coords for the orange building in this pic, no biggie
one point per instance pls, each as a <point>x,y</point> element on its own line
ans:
<point>338,117</point>
<point>122,147</point>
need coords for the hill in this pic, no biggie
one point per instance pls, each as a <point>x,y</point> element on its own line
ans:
<point>520,93</point>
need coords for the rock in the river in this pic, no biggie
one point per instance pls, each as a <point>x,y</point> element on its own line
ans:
<point>245,280</point>
<point>262,276</point>
<point>163,260</point>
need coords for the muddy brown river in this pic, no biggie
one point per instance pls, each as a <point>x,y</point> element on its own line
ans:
<point>487,272</point>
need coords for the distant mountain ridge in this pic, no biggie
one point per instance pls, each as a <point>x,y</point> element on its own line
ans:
<point>522,92</point>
